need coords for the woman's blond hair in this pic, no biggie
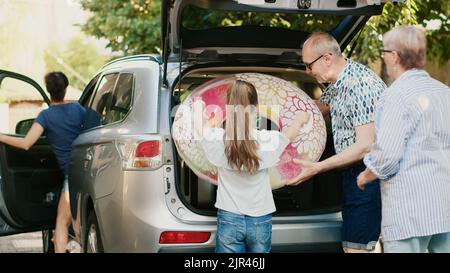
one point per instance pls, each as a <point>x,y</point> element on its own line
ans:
<point>240,146</point>
<point>410,44</point>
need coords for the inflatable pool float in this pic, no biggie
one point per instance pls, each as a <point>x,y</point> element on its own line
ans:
<point>279,102</point>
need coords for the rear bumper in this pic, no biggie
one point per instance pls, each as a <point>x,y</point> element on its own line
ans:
<point>132,220</point>
<point>310,237</point>
<point>142,235</point>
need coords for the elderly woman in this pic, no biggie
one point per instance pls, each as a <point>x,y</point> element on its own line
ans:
<point>411,155</point>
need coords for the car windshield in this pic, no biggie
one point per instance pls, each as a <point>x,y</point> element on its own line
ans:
<point>220,18</point>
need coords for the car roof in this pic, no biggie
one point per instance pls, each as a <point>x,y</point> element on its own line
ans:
<point>127,59</point>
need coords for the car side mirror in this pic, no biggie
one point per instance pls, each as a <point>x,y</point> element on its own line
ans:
<point>23,126</point>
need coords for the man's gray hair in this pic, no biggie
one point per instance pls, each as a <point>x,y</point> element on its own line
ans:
<point>410,44</point>
<point>322,42</point>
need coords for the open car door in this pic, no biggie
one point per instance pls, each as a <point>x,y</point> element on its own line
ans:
<point>30,181</point>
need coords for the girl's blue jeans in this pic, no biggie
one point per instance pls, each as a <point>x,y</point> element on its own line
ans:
<point>238,233</point>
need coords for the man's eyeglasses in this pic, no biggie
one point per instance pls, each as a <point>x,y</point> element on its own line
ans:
<point>386,51</point>
<point>309,66</point>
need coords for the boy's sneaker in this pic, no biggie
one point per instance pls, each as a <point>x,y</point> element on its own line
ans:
<point>73,247</point>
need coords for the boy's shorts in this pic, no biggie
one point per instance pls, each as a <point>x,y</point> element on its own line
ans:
<point>65,186</point>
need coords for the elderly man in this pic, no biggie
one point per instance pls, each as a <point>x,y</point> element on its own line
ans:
<point>350,99</point>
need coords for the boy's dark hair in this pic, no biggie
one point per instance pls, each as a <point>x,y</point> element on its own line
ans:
<point>56,83</point>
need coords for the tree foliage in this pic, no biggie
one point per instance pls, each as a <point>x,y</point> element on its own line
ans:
<point>412,12</point>
<point>302,22</point>
<point>79,61</point>
<point>133,27</point>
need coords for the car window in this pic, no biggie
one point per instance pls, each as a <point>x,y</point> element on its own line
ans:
<point>121,100</point>
<point>19,101</point>
<point>223,18</point>
<point>88,92</point>
<point>98,106</point>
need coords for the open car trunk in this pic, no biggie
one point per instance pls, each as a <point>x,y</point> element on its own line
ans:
<point>193,30</point>
<point>212,38</point>
<point>320,195</point>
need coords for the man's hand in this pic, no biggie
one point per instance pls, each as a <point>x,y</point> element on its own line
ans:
<point>365,178</point>
<point>309,169</point>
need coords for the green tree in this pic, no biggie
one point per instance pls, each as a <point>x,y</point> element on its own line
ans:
<point>133,27</point>
<point>210,19</point>
<point>79,61</point>
<point>412,12</point>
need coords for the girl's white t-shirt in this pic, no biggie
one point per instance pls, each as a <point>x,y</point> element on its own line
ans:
<point>238,191</point>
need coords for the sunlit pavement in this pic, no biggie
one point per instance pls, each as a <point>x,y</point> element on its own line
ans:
<point>22,243</point>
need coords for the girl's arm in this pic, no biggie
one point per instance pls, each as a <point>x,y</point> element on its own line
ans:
<point>292,131</point>
<point>24,142</point>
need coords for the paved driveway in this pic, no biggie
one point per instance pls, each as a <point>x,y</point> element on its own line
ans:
<point>22,243</point>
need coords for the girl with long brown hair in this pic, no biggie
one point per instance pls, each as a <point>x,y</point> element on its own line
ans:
<point>242,155</point>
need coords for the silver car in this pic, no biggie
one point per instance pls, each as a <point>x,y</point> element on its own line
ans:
<point>129,187</point>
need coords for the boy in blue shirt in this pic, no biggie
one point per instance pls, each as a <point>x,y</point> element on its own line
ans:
<point>61,123</point>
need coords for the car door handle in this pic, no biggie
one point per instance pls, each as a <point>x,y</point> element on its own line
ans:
<point>43,160</point>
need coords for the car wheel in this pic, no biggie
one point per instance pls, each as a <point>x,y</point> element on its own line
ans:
<point>93,240</point>
<point>47,241</point>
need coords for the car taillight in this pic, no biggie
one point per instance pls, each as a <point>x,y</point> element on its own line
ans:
<point>183,237</point>
<point>145,154</point>
<point>141,154</point>
<point>147,149</point>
